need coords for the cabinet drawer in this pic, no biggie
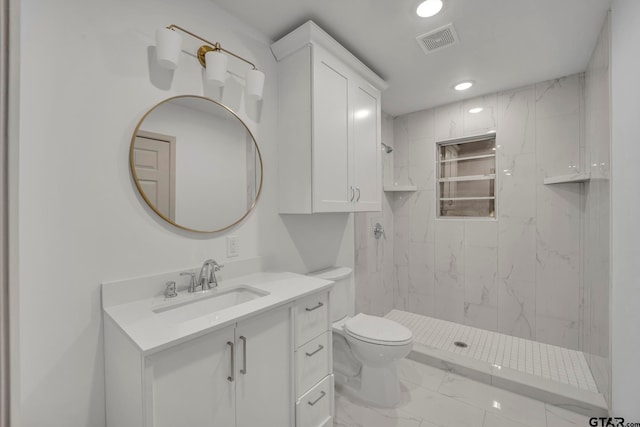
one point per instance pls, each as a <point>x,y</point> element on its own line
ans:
<point>312,317</point>
<point>315,408</point>
<point>312,362</point>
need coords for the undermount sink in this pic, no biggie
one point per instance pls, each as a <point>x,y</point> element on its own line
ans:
<point>208,302</point>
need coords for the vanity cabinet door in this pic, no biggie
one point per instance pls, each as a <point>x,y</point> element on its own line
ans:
<point>264,364</point>
<point>188,385</point>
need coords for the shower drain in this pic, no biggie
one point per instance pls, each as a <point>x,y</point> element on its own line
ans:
<point>461,344</point>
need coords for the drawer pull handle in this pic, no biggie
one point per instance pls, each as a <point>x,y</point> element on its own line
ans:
<point>315,308</point>
<point>314,352</point>
<point>322,394</point>
<point>233,367</point>
<point>244,356</point>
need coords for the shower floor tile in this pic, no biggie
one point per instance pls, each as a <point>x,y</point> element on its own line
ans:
<point>547,361</point>
<point>545,372</point>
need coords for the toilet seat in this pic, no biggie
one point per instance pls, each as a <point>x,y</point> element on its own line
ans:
<point>377,330</point>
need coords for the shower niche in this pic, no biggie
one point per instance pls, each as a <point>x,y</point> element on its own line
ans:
<point>466,171</point>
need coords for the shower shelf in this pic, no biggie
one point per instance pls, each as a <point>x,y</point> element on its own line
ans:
<point>400,188</point>
<point>461,159</point>
<point>562,179</point>
<point>446,199</point>
<point>468,178</point>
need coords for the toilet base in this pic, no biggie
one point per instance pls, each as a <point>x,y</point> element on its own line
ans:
<point>377,386</point>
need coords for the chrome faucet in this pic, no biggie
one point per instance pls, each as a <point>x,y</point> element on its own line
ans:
<point>208,281</point>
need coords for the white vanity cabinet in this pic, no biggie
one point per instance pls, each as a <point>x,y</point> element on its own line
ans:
<point>187,384</point>
<point>330,126</point>
<point>313,361</point>
<point>239,376</point>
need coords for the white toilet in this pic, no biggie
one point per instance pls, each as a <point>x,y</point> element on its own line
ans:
<point>365,348</point>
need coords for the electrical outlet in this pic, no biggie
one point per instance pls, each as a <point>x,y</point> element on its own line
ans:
<point>233,247</point>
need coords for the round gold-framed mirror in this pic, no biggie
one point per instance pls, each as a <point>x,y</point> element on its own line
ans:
<point>196,164</point>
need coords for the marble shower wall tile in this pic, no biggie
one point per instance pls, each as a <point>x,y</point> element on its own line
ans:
<point>375,279</point>
<point>558,126</point>
<point>422,213</point>
<point>516,187</point>
<point>387,158</point>
<point>517,277</point>
<point>482,122</point>
<point>421,278</point>
<point>422,164</point>
<point>449,270</point>
<point>401,142</point>
<point>516,123</point>
<point>448,121</point>
<point>558,263</point>
<point>481,274</point>
<point>520,273</point>
<point>422,149</point>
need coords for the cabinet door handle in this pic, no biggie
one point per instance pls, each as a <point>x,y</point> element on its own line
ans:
<point>244,356</point>
<point>322,394</point>
<point>320,347</point>
<point>314,308</point>
<point>353,194</point>
<point>233,365</point>
<point>358,199</point>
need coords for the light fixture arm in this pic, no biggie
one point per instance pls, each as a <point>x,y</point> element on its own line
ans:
<point>209,47</point>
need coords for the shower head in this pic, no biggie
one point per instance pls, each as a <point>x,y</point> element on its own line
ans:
<point>387,149</point>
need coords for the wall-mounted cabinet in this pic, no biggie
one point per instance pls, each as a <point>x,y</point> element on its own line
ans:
<point>330,126</point>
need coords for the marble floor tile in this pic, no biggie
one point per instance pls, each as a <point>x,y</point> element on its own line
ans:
<point>423,375</point>
<point>438,409</point>
<point>354,414</point>
<point>558,417</point>
<point>491,419</point>
<point>494,400</point>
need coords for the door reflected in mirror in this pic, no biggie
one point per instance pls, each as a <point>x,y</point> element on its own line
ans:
<point>196,164</point>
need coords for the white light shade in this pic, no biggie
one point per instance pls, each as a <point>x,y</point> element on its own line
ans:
<point>429,8</point>
<point>216,67</point>
<point>255,84</point>
<point>476,110</point>
<point>168,47</point>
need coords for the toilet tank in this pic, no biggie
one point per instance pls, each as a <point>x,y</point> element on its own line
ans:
<point>342,297</point>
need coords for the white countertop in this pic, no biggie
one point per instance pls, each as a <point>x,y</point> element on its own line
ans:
<point>152,333</point>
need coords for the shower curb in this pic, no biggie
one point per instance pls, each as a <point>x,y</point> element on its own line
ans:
<point>564,396</point>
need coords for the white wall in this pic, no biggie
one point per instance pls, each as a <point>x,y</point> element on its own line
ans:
<point>86,79</point>
<point>596,265</point>
<point>625,310</point>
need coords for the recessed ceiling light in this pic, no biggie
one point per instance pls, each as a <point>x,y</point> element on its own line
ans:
<point>476,110</point>
<point>429,8</point>
<point>463,85</point>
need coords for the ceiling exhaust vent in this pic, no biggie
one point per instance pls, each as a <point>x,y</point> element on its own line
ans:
<point>438,39</point>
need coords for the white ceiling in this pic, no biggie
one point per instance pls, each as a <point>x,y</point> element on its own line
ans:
<point>503,43</point>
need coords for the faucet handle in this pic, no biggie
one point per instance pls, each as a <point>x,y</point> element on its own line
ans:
<point>192,282</point>
<point>217,267</point>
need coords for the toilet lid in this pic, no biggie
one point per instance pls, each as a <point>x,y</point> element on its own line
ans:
<point>377,329</point>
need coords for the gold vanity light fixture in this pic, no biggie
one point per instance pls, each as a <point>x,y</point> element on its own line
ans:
<point>211,56</point>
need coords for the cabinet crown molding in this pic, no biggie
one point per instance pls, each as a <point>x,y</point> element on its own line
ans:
<point>311,33</point>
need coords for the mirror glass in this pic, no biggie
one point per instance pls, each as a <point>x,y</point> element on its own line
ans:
<point>196,164</point>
